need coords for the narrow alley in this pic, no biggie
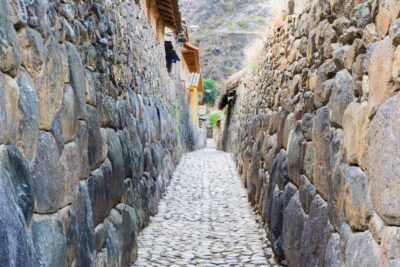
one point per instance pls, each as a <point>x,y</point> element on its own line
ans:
<point>204,218</point>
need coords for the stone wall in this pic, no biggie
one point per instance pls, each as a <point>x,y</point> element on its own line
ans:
<point>316,134</point>
<point>91,127</point>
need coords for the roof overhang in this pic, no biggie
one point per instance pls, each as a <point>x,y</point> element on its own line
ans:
<point>170,14</point>
<point>191,56</point>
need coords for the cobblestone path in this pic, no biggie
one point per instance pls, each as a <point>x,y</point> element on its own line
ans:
<point>204,219</point>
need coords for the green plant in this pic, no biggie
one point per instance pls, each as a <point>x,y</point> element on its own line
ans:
<point>258,20</point>
<point>229,24</point>
<point>213,119</point>
<point>244,24</point>
<point>177,117</point>
<point>210,91</point>
<point>229,6</point>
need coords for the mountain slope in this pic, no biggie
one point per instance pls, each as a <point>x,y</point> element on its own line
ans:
<point>222,29</point>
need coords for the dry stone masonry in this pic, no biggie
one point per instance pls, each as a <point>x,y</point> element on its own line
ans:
<point>316,134</point>
<point>89,135</point>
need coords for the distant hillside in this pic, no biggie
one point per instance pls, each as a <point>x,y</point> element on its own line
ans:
<point>222,29</point>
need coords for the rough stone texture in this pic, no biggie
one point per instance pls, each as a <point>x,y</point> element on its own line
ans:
<point>51,86</point>
<point>50,242</point>
<point>322,151</point>
<point>362,250</point>
<point>17,247</point>
<point>10,47</point>
<point>83,93</point>
<point>355,124</point>
<point>294,219</point>
<point>315,236</point>
<point>380,73</point>
<point>332,67</point>
<point>341,96</point>
<point>203,221</point>
<point>332,254</point>
<point>46,178</point>
<point>382,161</point>
<point>357,202</point>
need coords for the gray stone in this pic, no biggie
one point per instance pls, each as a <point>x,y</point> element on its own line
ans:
<point>86,249</point>
<point>128,233</point>
<point>322,151</point>
<point>99,194</point>
<point>70,172</point>
<point>46,181</point>
<point>18,13</point>
<point>357,202</point>
<point>362,250</point>
<point>51,86</point>
<point>69,115</point>
<point>108,114</point>
<point>383,167</point>
<point>50,242</point>
<point>332,254</point>
<point>9,97</point>
<point>10,58</point>
<point>363,15</point>
<point>78,79</point>
<point>95,149</point>
<point>115,156</point>
<point>17,179</point>
<point>17,247</point>
<point>28,131</point>
<point>307,193</point>
<point>32,50</point>
<point>315,236</point>
<point>342,94</point>
<point>293,225</point>
<point>67,216</point>
<point>296,151</point>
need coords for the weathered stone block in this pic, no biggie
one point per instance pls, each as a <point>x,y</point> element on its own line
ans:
<point>86,249</point>
<point>9,97</point>
<point>46,180</point>
<point>322,151</point>
<point>388,11</point>
<point>342,95</point>
<point>332,255</point>
<point>28,130</point>
<point>296,151</point>
<point>390,246</point>
<point>316,234</point>
<point>362,250</point>
<point>17,179</point>
<point>355,125</point>
<point>50,242</point>
<point>51,85</point>
<point>95,139</point>
<point>69,115</point>
<point>128,234</point>
<point>383,167</point>
<point>78,79</point>
<point>380,73</point>
<point>32,50</point>
<point>17,247</point>
<point>10,58</point>
<point>307,193</point>
<point>289,125</point>
<point>357,202</point>
<point>293,225</point>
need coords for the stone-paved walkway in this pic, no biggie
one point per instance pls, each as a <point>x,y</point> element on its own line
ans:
<point>204,219</point>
